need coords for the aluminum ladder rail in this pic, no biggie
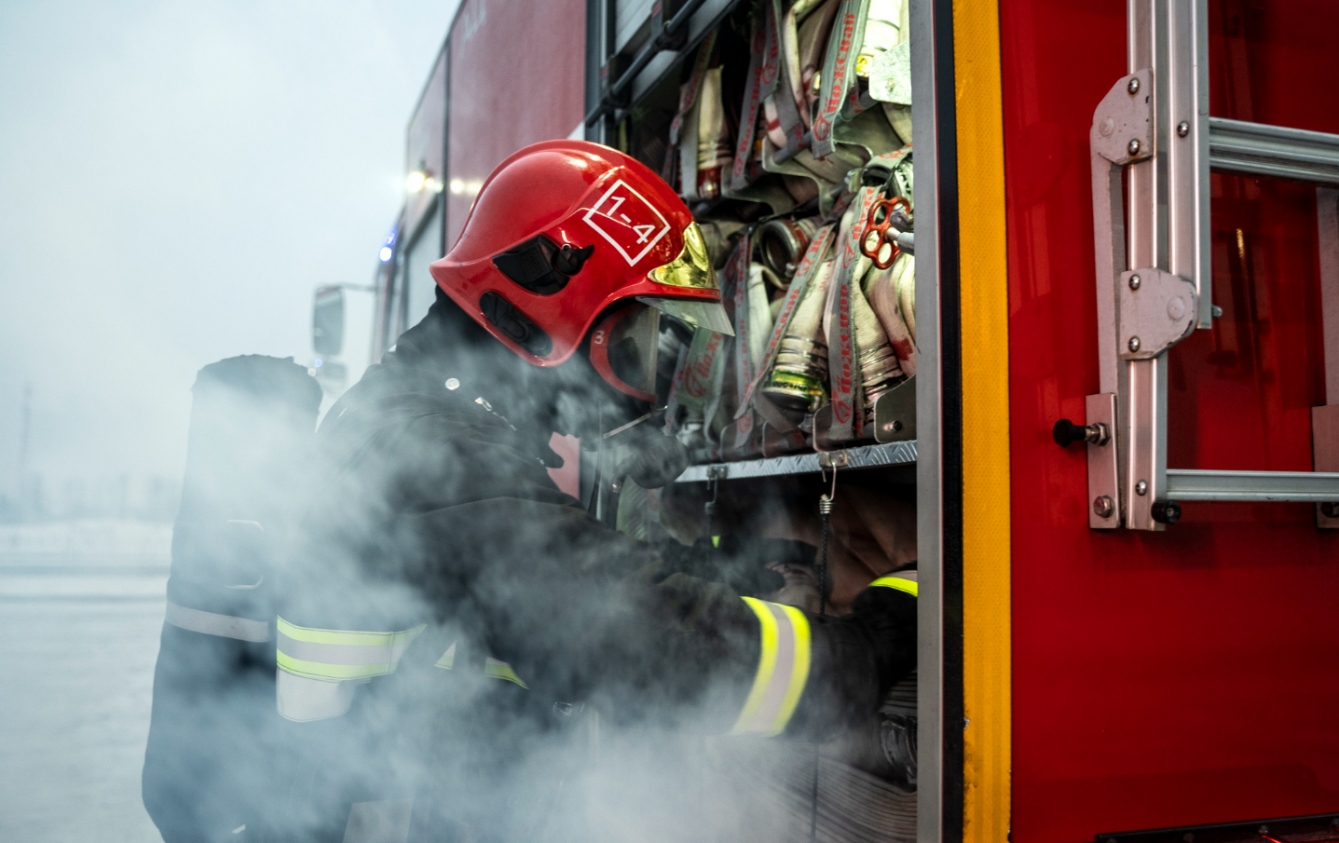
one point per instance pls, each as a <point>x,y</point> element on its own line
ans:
<point>1153,276</point>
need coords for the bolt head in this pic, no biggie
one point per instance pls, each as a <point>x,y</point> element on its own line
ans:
<point>1134,344</point>
<point>1217,312</point>
<point>1104,506</point>
<point>1141,488</point>
<point>1135,282</point>
<point>1134,147</point>
<point>1182,129</point>
<point>1133,85</point>
<point>1330,509</point>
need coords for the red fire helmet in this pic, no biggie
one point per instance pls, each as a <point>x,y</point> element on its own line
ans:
<point>564,231</point>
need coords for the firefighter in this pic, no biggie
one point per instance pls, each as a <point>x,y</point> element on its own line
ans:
<point>439,545</point>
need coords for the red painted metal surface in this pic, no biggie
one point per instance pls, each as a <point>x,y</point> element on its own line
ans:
<point>1189,676</point>
<point>517,77</point>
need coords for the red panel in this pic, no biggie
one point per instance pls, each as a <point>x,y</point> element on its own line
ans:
<point>1189,676</point>
<point>423,144</point>
<point>517,77</point>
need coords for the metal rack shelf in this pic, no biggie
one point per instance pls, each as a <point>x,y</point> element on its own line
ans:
<point>658,57</point>
<point>864,456</point>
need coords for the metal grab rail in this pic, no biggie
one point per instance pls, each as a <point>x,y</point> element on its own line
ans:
<point>1188,484</point>
<point>1273,151</point>
<point>1153,145</point>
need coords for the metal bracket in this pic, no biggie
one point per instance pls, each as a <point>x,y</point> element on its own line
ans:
<point>895,413</point>
<point>1104,512</point>
<point>1122,130</point>
<point>1157,310</point>
<point>832,459</point>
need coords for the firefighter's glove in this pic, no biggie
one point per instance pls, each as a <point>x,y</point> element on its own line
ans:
<point>857,658</point>
<point>886,617</point>
<point>653,459</point>
<point>738,565</point>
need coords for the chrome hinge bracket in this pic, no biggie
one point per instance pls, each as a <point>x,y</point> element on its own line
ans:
<point>1157,310</point>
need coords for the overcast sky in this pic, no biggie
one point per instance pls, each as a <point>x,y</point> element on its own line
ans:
<point>175,178</point>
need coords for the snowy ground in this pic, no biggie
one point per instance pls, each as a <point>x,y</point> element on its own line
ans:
<point>81,606</point>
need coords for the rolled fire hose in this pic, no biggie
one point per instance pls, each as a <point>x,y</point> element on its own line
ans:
<point>798,381</point>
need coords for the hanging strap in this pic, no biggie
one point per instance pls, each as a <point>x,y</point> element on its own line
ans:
<point>784,655</point>
<point>848,32</point>
<point>762,42</point>
<point>687,99</point>
<point>784,127</point>
<point>847,413</point>
<point>744,374</point>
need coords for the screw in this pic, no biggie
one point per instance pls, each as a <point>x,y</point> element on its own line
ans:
<point>1133,85</point>
<point>1134,147</point>
<point>1103,506</point>
<point>1141,488</point>
<point>1134,282</point>
<point>1182,129</point>
<point>1217,312</point>
<point>1330,509</point>
<point>1134,343</point>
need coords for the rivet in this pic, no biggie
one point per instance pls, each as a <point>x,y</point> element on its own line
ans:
<point>1134,343</point>
<point>1103,506</point>
<point>1182,129</point>
<point>1141,488</point>
<point>452,384</point>
<point>1134,282</point>
<point>1134,147</point>
<point>1133,85</point>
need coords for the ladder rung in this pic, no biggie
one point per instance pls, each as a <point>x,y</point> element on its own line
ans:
<point>1188,484</point>
<point>1273,151</point>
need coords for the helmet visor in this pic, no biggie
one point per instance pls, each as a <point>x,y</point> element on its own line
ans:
<point>694,312</point>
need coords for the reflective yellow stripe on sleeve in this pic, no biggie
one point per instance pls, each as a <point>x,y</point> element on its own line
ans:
<point>336,654</point>
<point>899,583</point>
<point>498,669</point>
<point>783,668</point>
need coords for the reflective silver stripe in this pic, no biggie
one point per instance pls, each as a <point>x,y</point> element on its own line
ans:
<point>303,700</point>
<point>336,654</point>
<point>783,669</point>
<point>387,654</point>
<point>379,822</point>
<point>222,626</point>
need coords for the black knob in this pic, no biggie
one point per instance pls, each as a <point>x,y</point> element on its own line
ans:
<point>1067,433</point>
<point>1165,512</point>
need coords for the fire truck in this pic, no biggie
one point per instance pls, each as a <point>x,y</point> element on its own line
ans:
<point>1106,323</point>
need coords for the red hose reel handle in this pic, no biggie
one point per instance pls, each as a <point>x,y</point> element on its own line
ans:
<point>879,243</point>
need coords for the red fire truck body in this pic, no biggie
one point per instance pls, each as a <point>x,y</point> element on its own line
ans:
<point>1081,674</point>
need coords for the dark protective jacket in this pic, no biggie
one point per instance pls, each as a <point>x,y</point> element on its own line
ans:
<point>435,523</point>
